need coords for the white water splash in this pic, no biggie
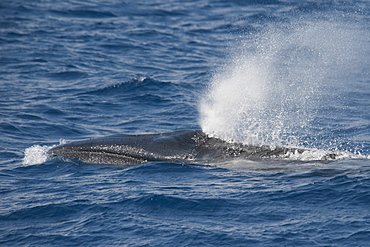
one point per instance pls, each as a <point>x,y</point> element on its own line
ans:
<point>35,155</point>
<point>38,154</point>
<point>274,83</point>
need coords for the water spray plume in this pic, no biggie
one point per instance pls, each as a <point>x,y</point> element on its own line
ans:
<point>271,88</point>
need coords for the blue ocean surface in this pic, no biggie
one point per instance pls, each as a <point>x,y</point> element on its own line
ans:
<point>263,72</point>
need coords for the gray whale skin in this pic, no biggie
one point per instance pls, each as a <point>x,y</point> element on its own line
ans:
<point>185,146</point>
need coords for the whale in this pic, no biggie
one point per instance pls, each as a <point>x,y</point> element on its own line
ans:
<point>184,146</point>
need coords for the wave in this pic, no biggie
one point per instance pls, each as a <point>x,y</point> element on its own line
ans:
<point>138,86</point>
<point>84,14</point>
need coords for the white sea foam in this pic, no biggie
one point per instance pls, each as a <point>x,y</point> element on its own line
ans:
<point>318,154</point>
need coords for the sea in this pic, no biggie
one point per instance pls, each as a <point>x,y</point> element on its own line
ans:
<point>261,72</point>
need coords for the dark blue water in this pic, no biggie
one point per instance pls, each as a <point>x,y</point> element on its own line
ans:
<point>262,72</point>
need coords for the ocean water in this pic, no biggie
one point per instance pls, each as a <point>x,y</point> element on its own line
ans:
<point>262,72</point>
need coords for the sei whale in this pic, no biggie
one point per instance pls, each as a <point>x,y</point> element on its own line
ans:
<point>185,146</point>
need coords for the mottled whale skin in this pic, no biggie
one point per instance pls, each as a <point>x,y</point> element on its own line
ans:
<point>185,146</point>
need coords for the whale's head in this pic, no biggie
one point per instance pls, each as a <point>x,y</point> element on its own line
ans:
<point>133,149</point>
